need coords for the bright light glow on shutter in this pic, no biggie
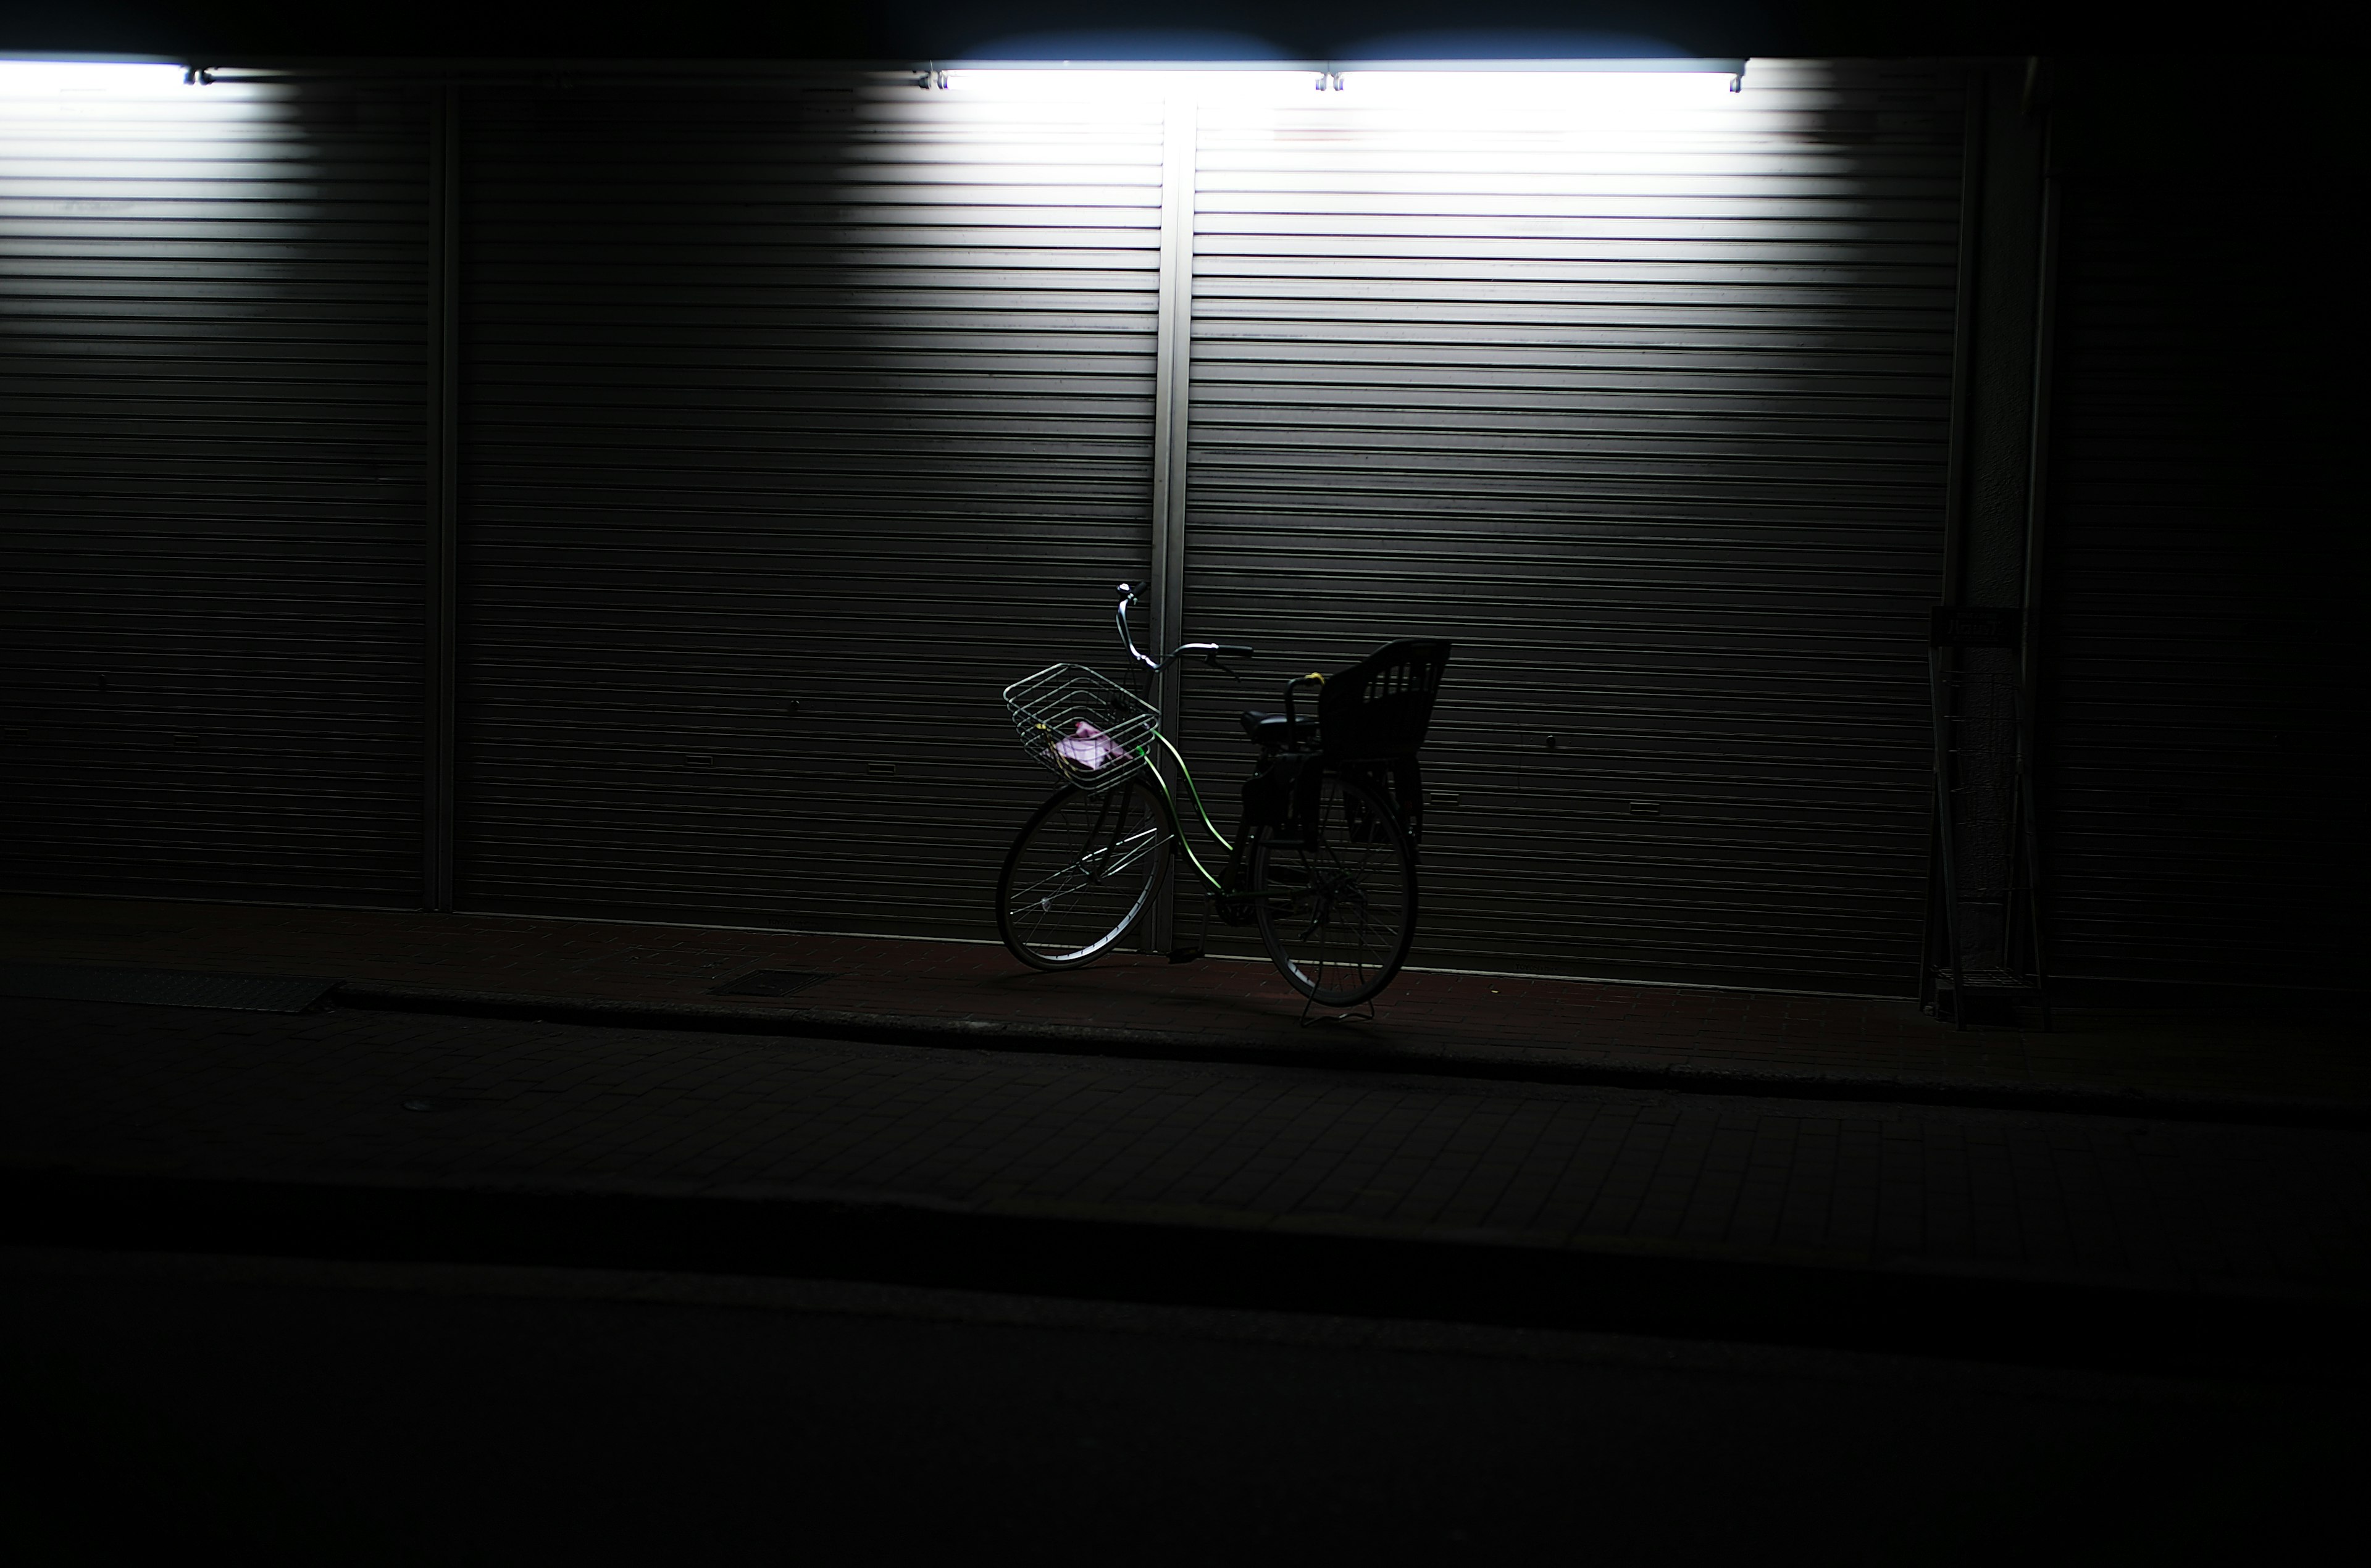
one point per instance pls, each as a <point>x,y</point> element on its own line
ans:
<point>1423,90</point>
<point>1647,90</point>
<point>43,78</point>
<point>1127,86</point>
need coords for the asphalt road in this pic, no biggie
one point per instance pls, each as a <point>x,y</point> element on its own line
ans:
<point>261,1410</point>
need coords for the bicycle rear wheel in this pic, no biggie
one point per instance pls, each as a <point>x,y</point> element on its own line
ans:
<point>1082,873</point>
<point>1336,906</point>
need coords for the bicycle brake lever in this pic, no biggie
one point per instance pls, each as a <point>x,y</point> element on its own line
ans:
<point>1213,659</point>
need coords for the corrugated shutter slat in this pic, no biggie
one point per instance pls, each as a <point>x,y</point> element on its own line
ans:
<point>1663,452</point>
<point>212,313</point>
<point>789,396</point>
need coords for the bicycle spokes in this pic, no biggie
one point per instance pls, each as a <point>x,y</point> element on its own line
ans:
<point>1082,874</point>
<point>1094,865</point>
<point>1339,907</point>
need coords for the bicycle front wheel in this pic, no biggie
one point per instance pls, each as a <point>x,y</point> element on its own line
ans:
<point>1335,897</point>
<point>1083,870</point>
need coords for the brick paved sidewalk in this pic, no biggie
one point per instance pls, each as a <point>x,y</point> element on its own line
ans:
<point>1220,1002</point>
<point>513,1105</point>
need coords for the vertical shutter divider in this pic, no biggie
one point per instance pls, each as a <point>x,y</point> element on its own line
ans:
<point>1171,374</point>
<point>441,621</point>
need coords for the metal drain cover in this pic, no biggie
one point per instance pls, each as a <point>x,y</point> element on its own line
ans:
<point>769,983</point>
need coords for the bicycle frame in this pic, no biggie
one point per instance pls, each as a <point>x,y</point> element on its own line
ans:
<point>1176,827</point>
<point>1212,653</point>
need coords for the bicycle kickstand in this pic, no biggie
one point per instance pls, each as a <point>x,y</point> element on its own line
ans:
<point>1307,1002</point>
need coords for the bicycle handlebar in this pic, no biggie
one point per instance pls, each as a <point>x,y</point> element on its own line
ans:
<point>1211,651</point>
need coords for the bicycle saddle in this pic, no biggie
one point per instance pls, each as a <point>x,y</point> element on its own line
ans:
<point>1270,729</point>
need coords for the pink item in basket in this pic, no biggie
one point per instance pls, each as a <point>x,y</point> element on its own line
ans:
<point>1090,747</point>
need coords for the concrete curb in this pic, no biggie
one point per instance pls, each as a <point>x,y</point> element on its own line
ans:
<point>1118,1254</point>
<point>1336,1052</point>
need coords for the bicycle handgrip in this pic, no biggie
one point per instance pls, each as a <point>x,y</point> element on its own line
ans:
<point>1233,651</point>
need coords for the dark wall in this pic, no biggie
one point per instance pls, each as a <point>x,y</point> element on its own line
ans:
<point>2201,553</point>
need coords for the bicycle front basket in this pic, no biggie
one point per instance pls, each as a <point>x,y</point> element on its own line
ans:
<point>1094,732</point>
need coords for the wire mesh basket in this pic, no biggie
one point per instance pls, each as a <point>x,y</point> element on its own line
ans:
<point>1091,730</point>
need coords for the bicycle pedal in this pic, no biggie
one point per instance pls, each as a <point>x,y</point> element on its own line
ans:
<point>1185,954</point>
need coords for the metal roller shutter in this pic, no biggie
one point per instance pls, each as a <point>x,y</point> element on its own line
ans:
<point>1648,412</point>
<point>212,315</point>
<point>801,416</point>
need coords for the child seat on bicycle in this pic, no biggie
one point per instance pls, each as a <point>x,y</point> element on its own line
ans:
<point>1376,710</point>
<point>1371,723</point>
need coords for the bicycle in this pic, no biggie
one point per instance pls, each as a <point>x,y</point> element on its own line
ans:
<point>1324,854</point>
